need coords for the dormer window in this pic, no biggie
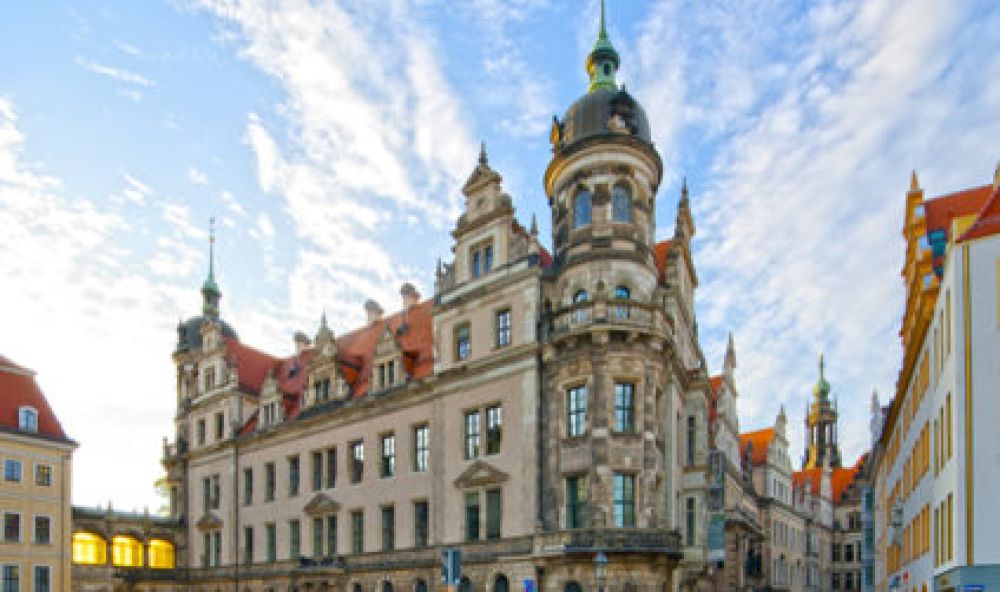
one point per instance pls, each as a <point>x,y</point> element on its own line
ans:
<point>321,390</point>
<point>581,209</point>
<point>27,419</point>
<point>621,204</point>
<point>385,374</point>
<point>481,259</point>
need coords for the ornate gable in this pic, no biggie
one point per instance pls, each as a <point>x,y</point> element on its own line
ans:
<point>479,474</point>
<point>321,504</point>
<point>209,521</point>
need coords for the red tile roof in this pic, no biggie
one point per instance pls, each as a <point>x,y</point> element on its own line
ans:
<point>840,478</point>
<point>19,389</point>
<point>987,221</point>
<point>940,211</point>
<point>759,442</point>
<point>715,383</point>
<point>660,251</point>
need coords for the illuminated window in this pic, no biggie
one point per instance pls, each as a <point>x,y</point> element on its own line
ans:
<point>581,209</point>
<point>161,554</point>
<point>126,551</point>
<point>89,549</point>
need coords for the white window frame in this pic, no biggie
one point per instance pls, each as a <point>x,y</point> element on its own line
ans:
<point>35,475</point>
<point>34,529</point>
<point>23,412</point>
<point>34,573</point>
<point>20,470</point>
<point>20,527</point>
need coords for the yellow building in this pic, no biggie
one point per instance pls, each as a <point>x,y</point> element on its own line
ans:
<point>35,490</point>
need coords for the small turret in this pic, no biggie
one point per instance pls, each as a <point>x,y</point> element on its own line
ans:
<point>603,60</point>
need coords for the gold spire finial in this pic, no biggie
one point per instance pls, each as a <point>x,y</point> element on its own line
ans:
<point>914,183</point>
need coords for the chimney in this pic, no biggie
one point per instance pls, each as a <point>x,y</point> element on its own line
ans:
<point>409,294</point>
<point>373,311</point>
<point>301,342</point>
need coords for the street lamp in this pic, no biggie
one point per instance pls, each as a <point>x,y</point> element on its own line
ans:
<point>601,570</point>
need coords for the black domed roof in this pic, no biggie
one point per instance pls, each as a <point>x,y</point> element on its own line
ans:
<point>604,112</point>
<point>189,333</point>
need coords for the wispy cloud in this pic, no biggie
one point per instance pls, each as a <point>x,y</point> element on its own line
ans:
<point>197,177</point>
<point>119,74</point>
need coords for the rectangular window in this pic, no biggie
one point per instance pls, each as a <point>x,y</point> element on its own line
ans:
<point>462,344</point>
<point>293,475</point>
<point>624,407</point>
<point>690,440</point>
<point>576,502</point>
<point>624,490</point>
<point>331,468</point>
<point>420,522</point>
<point>471,435</point>
<point>494,429</point>
<point>294,547</point>
<point>11,578</point>
<point>689,521</point>
<point>951,540</point>
<point>272,542</point>
<point>503,328</point>
<point>849,553</point>
<point>947,426</point>
<point>206,556</point>
<point>43,579</point>
<point>357,531</point>
<point>200,431</point>
<point>217,549</point>
<point>494,513</point>
<point>576,410</point>
<point>270,481</point>
<point>388,456</point>
<point>388,528</point>
<point>247,486</point>
<point>247,545</point>
<point>12,470</point>
<point>472,516</point>
<point>357,461</point>
<point>421,448</point>
<point>220,426</point>
<point>317,470</point>
<point>43,475</point>
<point>331,536</point>
<point>835,552</point>
<point>390,373</point>
<point>317,532</point>
<point>487,258</point>
<point>43,530</point>
<point>476,264</point>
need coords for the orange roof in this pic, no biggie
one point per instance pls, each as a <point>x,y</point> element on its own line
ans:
<point>940,211</point>
<point>840,479</point>
<point>660,251</point>
<point>759,442</point>
<point>987,221</point>
<point>19,389</point>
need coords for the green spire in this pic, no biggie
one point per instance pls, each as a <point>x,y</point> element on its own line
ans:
<point>822,388</point>
<point>603,61</point>
<point>210,290</point>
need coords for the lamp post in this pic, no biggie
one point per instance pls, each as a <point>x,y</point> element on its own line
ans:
<point>601,570</point>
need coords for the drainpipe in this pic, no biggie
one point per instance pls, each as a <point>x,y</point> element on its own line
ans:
<point>236,512</point>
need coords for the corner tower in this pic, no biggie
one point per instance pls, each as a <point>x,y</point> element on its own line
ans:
<point>821,427</point>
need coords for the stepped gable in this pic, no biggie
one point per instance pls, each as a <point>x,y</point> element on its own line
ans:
<point>19,389</point>
<point>760,442</point>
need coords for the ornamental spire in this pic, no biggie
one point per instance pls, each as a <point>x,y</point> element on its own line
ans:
<point>210,290</point>
<point>602,62</point>
<point>914,183</point>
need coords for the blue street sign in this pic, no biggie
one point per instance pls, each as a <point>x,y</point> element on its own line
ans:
<point>529,585</point>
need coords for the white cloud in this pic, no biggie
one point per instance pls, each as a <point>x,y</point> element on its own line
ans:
<point>128,48</point>
<point>135,191</point>
<point>118,74</point>
<point>197,177</point>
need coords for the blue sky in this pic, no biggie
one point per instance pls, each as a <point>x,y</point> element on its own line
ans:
<point>330,140</point>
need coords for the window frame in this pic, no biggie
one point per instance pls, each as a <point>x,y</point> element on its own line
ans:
<point>622,190</point>
<point>473,522</point>
<point>502,327</point>
<point>494,432</point>
<point>358,531</point>
<point>13,470</point>
<point>583,208</point>
<point>35,529</point>
<point>270,481</point>
<point>623,508</point>
<point>357,448</point>
<point>388,524</point>
<point>471,438</point>
<point>27,419</point>
<point>625,414</point>
<point>576,410</point>
<point>421,448</point>
<point>387,456</point>
<point>576,501</point>
<point>421,527</point>
<point>463,342</point>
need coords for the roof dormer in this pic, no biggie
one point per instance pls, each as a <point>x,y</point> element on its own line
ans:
<point>387,362</point>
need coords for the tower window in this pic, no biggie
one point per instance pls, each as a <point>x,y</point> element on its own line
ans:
<point>581,209</point>
<point>624,492</point>
<point>582,313</point>
<point>622,294</point>
<point>621,204</point>
<point>576,410</point>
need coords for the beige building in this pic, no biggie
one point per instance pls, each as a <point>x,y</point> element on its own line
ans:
<point>35,490</point>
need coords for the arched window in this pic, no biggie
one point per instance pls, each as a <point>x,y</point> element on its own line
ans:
<point>161,554</point>
<point>621,204</point>
<point>89,549</point>
<point>500,584</point>
<point>358,588</point>
<point>126,551</point>
<point>622,295</point>
<point>387,586</point>
<point>581,209</point>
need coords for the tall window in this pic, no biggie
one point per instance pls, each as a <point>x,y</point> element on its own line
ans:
<point>43,475</point>
<point>581,209</point>
<point>621,204</point>
<point>576,502</point>
<point>247,545</point>
<point>462,343</point>
<point>43,530</point>
<point>331,467</point>
<point>12,470</point>
<point>471,435</point>
<point>294,541</point>
<point>494,429</point>
<point>622,296</point>
<point>624,491</point>
<point>220,426</point>
<point>43,579</point>
<point>472,516</point>
<point>421,448</point>
<point>317,532</point>
<point>388,456</point>
<point>293,475</point>
<point>494,513</point>
<point>27,419</point>
<point>487,258</point>
<point>576,410</point>
<point>503,328</point>
<point>247,486</point>
<point>331,536</point>
<point>316,464</point>
<point>420,521</point>
<point>271,532</point>
<point>200,431</point>
<point>690,440</point>
<point>624,407</point>
<point>357,531</point>
<point>216,550</point>
<point>477,264</point>
<point>388,528</point>
<point>11,578</point>
<point>357,461</point>
<point>11,527</point>
<point>689,521</point>
<point>270,481</point>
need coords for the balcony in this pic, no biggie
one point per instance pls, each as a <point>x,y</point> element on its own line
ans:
<point>647,540</point>
<point>622,315</point>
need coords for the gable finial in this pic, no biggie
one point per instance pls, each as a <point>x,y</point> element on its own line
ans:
<point>684,188</point>
<point>483,160</point>
<point>603,34</point>
<point>210,290</point>
<point>914,182</point>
